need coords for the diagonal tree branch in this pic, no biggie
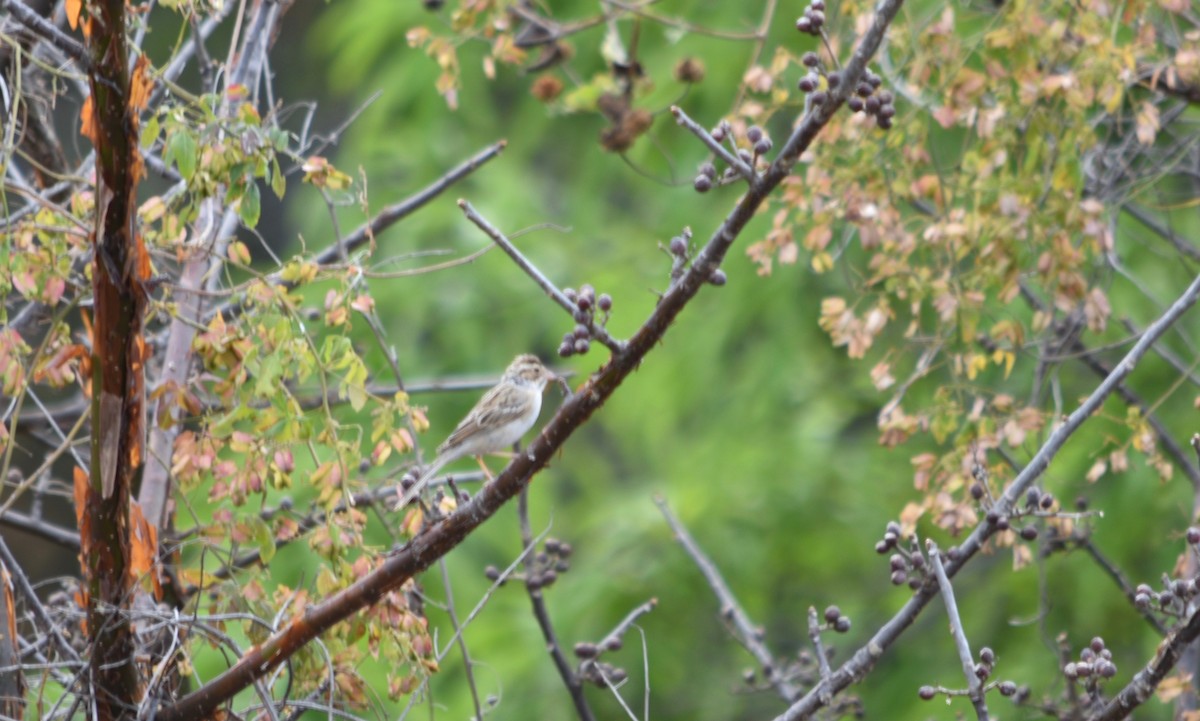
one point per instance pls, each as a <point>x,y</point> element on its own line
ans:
<point>444,535</point>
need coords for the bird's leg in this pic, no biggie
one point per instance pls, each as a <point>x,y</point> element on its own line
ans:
<point>487,472</point>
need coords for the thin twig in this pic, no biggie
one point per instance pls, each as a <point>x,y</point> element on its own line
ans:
<point>598,332</point>
<point>743,629</point>
<point>468,665</point>
<point>569,677</point>
<point>814,635</point>
<point>974,687</point>
<point>48,32</point>
<point>711,143</point>
<point>35,604</point>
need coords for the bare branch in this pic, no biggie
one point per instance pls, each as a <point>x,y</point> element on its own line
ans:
<point>598,331</point>
<point>743,629</point>
<point>974,687</point>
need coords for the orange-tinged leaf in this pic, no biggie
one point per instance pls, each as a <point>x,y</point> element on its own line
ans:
<point>143,545</point>
<point>81,491</point>
<point>73,8</point>
<point>140,84</point>
<point>87,120</point>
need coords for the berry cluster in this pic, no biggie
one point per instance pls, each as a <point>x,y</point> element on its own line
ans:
<point>813,18</point>
<point>1095,663</point>
<point>680,250</point>
<point>592,669</point>
<point>587,304</point>
<point>867,99</point>
<point>983,671</point>
<point>1172,599</point>
<point>810,82</point>
<point>543,570</point>
<point>759,142</point>
<point>835,619</point>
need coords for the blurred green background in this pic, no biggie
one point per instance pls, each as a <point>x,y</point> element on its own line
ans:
<point>759,434</point>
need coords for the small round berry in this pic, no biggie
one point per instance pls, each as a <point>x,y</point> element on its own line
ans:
<point>702,184</point>
<point>864,89</point>
<point>817,5</point>
<point>817,17</point>
<point>570,294</point>
<point>819,97</point>
<point>918,561</point>
<point>807,84</point>
<point>982,671</point>
<point>678,246</point>
<point>1007,688</point>
<point>707,169</point>
<point>745,156</point>
<point>1071,670</point>
<point>977,491</point>
<point>1193,535</point>
<point>885,96</point>
<point>753,133</point>
<point>1047,501</point>
<point>927,693</point>
<point>804,24</point>
<point>871,105</point>
<point>689,70</point>
<point>613,644</point>
<point>872,79</point>
<point>1097,644</point>
<point>810,59</point>
<point>882,547</point>
<point>492,573</point>
<point>1141,601</point>
<point>1166,598</point>
<point>854,103</point>
<point>1029,533</point>
<point>1107,669</point>
<point>899,578</point>
<point>842,625</point>
<point>1087,654</point>
<point>604,302</point>
<point>1081,503</point>
<point>897,562</point>
<point>581,331</point>
<point>834,79</point>
<point>364,465</point>
<point>1032,497</point>
<point>718,277</point>
<point>887,111</point>
<point>832,614</point>
<point>584,649</point>
<point>987,655</point>
<point>763,146</point>
<point>992,517</point>
<point>884,123</point>
<point>582,346</point>
<point>1003,523</point>
<point>584,304</point>
<point>566,350</point>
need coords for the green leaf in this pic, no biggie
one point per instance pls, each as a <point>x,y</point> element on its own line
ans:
<point>250,207</point>
<point>278,183</point>
<point>150,132</point>
<point>181,150</point>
